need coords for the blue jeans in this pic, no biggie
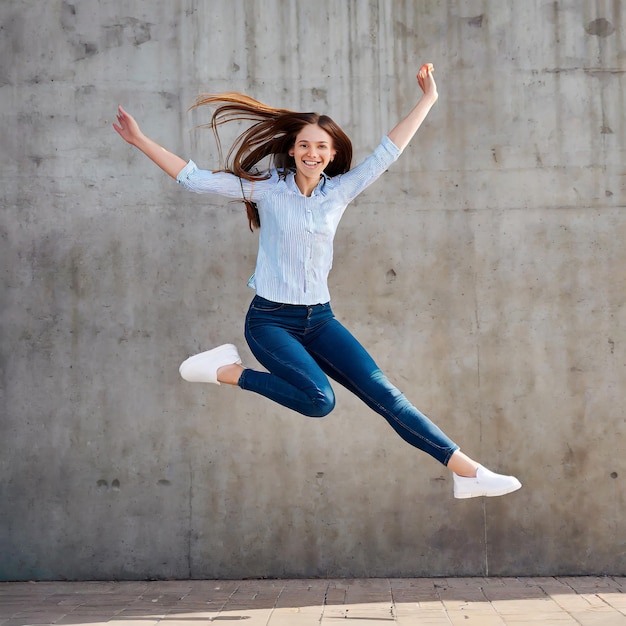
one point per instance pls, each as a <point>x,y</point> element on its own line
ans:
<point>301,346</point>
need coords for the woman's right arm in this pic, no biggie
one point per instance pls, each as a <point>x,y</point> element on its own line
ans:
<point>187,173</point>
<point>129,131</point>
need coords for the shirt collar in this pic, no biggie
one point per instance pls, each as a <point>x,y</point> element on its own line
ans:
<point>318,189</point>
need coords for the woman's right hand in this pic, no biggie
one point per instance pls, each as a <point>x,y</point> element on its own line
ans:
<point>126,127</point>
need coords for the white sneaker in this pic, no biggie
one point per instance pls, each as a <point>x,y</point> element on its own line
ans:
<point>202,368</point>
<point>485,483</point>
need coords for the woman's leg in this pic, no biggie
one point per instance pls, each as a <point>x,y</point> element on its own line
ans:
<point>274,333</point>
<point>299,343</point>
<point>345,360</point>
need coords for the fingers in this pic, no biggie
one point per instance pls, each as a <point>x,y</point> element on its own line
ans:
<point>121,115</point>
<point>126,126</point>
<point>125,123</point>
<point>122,121</point>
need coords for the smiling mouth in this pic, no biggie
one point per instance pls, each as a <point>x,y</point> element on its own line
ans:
<point>311,163</point>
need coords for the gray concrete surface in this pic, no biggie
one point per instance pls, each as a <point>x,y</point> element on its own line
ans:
<point>485,271</point>
<point>555,601</point>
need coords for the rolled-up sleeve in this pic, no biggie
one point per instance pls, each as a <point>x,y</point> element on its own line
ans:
<point>194,179</point>
<point>356,180</point>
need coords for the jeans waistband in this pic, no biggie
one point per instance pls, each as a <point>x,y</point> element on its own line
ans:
<point>294,307</point>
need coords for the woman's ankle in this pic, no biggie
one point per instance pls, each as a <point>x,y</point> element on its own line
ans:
<point>230,374</point>
<point>462,465</point>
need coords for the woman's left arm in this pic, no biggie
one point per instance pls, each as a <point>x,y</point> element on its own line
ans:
<point>403,132</point>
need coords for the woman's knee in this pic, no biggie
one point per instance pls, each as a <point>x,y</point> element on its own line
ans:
<point>322,403</point>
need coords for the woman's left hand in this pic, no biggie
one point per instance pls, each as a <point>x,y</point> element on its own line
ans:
<point>404,130</point>
<point>426,80</point>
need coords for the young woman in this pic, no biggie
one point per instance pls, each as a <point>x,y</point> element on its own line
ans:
<point>297,203</point>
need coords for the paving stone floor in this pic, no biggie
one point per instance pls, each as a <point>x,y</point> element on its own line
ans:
<point>586,601</point>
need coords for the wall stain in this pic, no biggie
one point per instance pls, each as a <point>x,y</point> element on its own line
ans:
<point>68,16</point>
<point>85,49</point>
<point>124,30</point>
<point>476,22</point>
<point>171,99</point>
<point>402,31</point>
<point>600,28</point>
<point>103,485</point>
<point>390,276</point>
<point>130,29</point>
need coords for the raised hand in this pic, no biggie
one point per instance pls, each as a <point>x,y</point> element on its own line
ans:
<point>426,80</point>
<point>403,132</point>
<point>126,127</point>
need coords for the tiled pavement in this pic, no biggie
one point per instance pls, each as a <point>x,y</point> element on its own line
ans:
<point>587,601</point>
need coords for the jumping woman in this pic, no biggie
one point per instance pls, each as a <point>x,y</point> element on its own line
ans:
<point>296,201</point>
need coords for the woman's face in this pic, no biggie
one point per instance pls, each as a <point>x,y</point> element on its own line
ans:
<point>312,151</point>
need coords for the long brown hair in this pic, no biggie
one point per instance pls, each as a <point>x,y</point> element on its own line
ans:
<point>272,134</point>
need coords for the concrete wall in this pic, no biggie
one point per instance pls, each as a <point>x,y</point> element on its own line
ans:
<point>486,271</point>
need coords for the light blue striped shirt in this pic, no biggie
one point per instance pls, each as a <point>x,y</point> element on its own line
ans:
<point>296,236</point>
